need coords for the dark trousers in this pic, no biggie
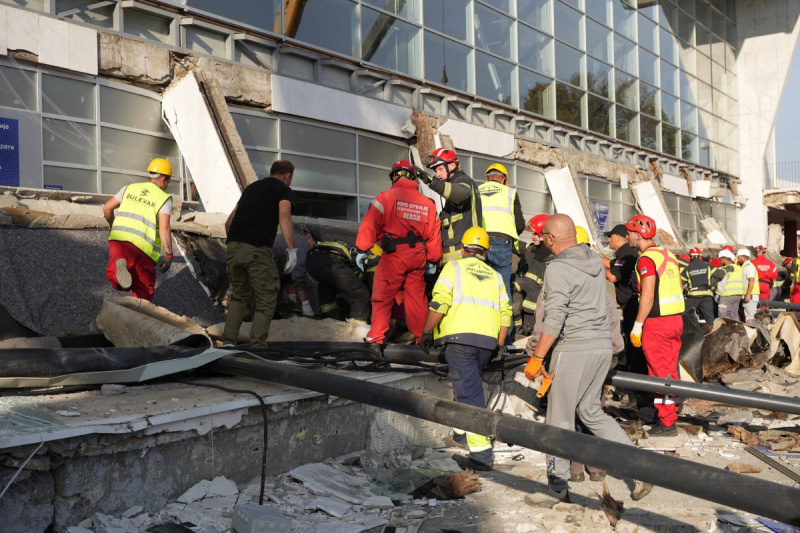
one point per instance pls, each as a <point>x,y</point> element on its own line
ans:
<point>336,280</point>
<point>704,306</point>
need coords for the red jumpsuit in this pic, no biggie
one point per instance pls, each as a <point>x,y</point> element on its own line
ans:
<point>767,274</point>
<point>397,212</point>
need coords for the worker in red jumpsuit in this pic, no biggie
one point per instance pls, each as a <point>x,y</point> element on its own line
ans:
<point>404,222</point>
<point>767,273</point>
<point>715,262</point>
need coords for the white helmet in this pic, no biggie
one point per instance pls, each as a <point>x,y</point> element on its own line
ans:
<point>728,254</point>
<point>743,252</point>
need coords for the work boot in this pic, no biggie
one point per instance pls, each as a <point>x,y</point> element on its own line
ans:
<point>578,477</point>
<point>467,463</point>
<point>547,499</point>
<point>123,276</point>
<point>450,442</point>
<point>663,431</point>
<point>640,490</point>
<point>597,476</point>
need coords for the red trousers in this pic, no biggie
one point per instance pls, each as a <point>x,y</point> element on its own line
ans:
<point>795,297</point>
<point>141,267</point>
<point>401,270</point>
<point>661,342</point>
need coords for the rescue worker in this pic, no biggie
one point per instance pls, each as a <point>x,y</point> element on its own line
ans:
<point>462,208</point>
<point>767,275</point>
<point>731,289</point>
<point>139,230</point>
<point>575,327</point>
<point>790,267</point>
<point>715,261</point>
<point>469,315</point>
<point>502,219</point>
<point>531,269</point>
<point>332,265</point>
<point>404,222</point>
<point>794,270</point>
<point>295,284</point>
<point>750,284</point>
<point>697,280</point>
<point>659,324</point>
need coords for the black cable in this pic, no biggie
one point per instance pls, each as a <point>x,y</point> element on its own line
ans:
<point>263,412</point>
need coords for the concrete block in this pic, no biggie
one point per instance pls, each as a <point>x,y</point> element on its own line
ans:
<point>54,48</point>
<point>133,60</point>
<point>28,504</point>
<point>3,33</point>
<point>475,138</point>
<point>248,518</point>
<point>22,30</point>
<point>83,49</point>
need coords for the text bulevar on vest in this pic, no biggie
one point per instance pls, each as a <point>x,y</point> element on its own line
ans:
<point>136,220</point>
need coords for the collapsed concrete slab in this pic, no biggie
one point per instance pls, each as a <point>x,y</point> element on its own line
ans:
<point>132,322</point>
<point>568,198</point>
<point>650,201</point>
<point>301,328</point>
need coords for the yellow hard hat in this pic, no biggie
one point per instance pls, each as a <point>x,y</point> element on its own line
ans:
<point>498,167</point>
<point>582,235</point>
<point>476,236</point>
<point>376,250</point>
<point>160,166</point>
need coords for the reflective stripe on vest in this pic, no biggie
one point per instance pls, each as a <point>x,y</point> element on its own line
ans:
<point>335,247</point>
<point>669,286</point>
<point>734,285</point>
<point>698,278</point>
<point>497,206</point>
<point>136,220</point>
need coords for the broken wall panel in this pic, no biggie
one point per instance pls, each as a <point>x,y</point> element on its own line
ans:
<point>567,198</point>
<point>649,199</point>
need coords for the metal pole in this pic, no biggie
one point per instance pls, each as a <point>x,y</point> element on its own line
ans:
<point>750,494</point>
<point>779,305</point>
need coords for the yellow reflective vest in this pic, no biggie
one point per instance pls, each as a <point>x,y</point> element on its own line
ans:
<point>734,283</point>
<point>334,247</point>
<point>474,302</point>
<point>497,205</point>
<point>668,299</point>
<point>756,290</point>
<point>136,220</point>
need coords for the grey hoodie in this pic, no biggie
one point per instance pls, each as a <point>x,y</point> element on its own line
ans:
<point>576,301</point>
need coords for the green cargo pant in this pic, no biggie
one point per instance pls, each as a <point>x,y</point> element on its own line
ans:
<point>251,268</point>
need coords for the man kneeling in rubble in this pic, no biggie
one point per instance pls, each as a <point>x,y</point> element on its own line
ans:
<point>575,327</point>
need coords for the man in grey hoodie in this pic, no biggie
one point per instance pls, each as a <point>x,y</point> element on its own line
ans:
<point>575,326</point>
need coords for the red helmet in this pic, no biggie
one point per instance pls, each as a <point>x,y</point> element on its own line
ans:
<point>403,169</point>
<point>441,156</point>
<point>643,225</point>
<point>695,252</point>
<point>787,261</point>
<point>535,224</point>
<point>728,247</point>
<point>761,249</point>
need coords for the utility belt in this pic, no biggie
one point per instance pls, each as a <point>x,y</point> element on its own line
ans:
<point>699,288</point>
<point>390,244</point>
<point>500,237</point>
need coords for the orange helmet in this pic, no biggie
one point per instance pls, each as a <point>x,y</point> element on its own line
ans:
<point>536,223</point>
<point>643,225</point>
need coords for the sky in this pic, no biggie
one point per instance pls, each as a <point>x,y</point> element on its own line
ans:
<point>787,135</point>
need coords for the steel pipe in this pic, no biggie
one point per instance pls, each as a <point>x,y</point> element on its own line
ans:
<point>779,305</point>
<point>747,493</point>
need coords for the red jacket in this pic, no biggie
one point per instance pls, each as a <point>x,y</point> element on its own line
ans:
<point>397,211</point>
<point>767,274</point>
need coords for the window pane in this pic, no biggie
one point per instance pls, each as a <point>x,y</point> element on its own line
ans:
<point>599,10</point>
<point>568,25</point>
<point>450,19</point>
<point>493,78</point>
<point>625,55</point>
<point>688,88</point>
<point>627,125</point>
<point>404,8</point>
<point>668,17</point>
<point>703,96</point>
<point>262,161</point>
<point>626,91</point>
<point>598,77</point>
<point>319,141</point>
<point>502,5</point>
<point>132,110</point>
<point>599,115</point>
<point>568,104</point>
<point>262,14</point>
<point>147,26</point>
<point>536,13</point>
<point>389,42</point>
<point>535,93</point>
<point>112,182</point>
<point>372,180</point>
<point>492,31</point>
<point>669,140</point>
<point>323,175</point>
<point>99,16</point>
<point>68,142</point>
<point>688,117</point>
<point>534,202</point>
<point>206,42</point>
<point>669,78</point>
<point>446,62</point>
<point>648,34</point>
<point>569,65</point>
<point>380,152</point>
<point>598,41</point>
<point>685,27</point>
<point>648,99</point>
<point>331,206</point>
<point>71,179</point>
<point>535,50</point>
<point>648,67</point>
<point>256,131</point>
<point>253,55</point>
<point>704,68</point>
<point>667,46</point>
<point>649,132</point>
<point>326,23</point>
<point>687,5</point>
<point>134,151</point>
<point>532,179</point>
<point>17,88</point>
<point>67,97</point>
<point>669,109</point>
<point>625,19</point>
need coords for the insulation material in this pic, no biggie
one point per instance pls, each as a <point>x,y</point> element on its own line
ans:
<point>192,124</point>
<point>649,199</point>
<point>302,329</point>
<point>566,197</point>
<point>132,322</point>
<point>787,329</point>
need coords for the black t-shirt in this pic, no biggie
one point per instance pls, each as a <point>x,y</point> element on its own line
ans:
<point>256,219</point>
<point>622,268</point>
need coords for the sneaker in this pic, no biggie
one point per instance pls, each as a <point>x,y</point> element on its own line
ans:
<point>123,276</point>
<point>640,490</point>
<point>661,430</point>
<point>547,499</point>
<point>579,477</point>
<point>467,463</point>
<point>597,476</point>
<point>450,442</point>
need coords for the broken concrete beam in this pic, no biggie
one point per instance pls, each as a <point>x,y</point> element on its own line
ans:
<point>301,328</point>
<point>538,154</point>
<point>237,83</point>
<point>69,222</point>
<point>132,60</point>
<point>133,322</point>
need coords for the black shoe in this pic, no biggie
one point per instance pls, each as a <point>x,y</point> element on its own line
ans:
<point>467,463</point>
<point>663,431</point>
<point>580,477</point>
<point>547,499</point>
<point>451,442</point>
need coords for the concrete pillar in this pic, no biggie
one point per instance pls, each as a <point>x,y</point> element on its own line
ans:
<point>790,238</point>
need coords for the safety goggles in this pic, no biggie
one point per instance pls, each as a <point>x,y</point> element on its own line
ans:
<point>432,161</point>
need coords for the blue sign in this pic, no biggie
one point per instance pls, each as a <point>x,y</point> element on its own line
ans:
<point>600,211</point>
<point>9,152</point>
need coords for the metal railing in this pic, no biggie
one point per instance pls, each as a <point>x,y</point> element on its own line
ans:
<point>783,175</point>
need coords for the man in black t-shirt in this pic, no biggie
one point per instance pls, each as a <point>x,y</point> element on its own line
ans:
<point>251,226</point>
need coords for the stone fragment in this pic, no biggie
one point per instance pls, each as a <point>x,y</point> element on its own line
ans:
<point>737,418</point>
<point>378,502</point>
<point>133,511</point>
<point>252,518</point>
<point>68,413</point>
<point>112,390</point>
<point>78,529</point>
<point>221,486</point>
<point>743,469</point>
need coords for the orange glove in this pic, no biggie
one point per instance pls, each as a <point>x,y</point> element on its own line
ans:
<point>547,380</point>
<point>636,334</point>
<point>533,368</point>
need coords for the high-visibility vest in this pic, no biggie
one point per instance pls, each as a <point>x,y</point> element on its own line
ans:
<point>756,290</point>
<point>334,247</point>
<point>473,299</point>
<point>734,284</point>
<point>697,275</point>
<point>136,220</point>
<point>497,205</point>
<point>669,290</point>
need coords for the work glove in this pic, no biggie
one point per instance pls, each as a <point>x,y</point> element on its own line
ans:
<point>533,368</point>
<point>423,176</point>
<point>636,334</point>
<point>361,261</point>
<point>307,311</point>
<point>164,262</point>
<point>291,260</point>
<point>430,268</point>
<point>294,301</point>
<point>426,341</point>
